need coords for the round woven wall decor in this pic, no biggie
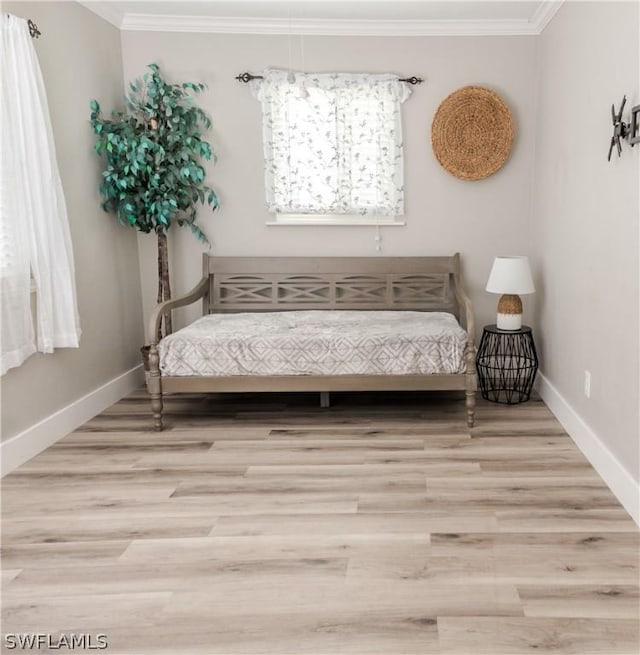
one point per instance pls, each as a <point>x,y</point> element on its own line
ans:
<point>472,133</point>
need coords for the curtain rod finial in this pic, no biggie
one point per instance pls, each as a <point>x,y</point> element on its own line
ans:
<point>412,80</point>
<point>247,77</point>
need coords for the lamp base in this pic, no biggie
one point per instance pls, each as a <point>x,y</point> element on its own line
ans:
<point>509,321</point>
<point>509,312</point>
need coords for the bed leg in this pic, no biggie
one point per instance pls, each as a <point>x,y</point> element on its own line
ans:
<point>156,408</point>
<point>155,387</point>
<point>325,399</point>
<point>471,384</point>
<point>470,403</point>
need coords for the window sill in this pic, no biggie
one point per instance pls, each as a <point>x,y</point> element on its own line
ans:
<point>333,220</point>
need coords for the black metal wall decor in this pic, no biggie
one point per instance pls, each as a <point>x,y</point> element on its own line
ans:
<point>621,130</point>
<point>33,29</point>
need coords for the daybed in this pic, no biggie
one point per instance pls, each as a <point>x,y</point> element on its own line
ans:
<point>319,324</point>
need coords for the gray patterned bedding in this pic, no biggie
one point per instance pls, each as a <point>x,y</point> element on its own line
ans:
<point>316,342</point>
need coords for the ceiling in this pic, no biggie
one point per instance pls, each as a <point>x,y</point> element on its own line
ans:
<point>366,17</point>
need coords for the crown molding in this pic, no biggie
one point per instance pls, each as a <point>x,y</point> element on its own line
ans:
<point>322,27</point>
<point>325,27</point>
<point>544,13</point>
<point>109,11</point>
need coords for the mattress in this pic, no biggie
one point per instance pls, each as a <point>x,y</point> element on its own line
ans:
<point>317,342</point>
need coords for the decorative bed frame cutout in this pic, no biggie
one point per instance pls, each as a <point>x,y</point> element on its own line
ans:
<point>267,284</point>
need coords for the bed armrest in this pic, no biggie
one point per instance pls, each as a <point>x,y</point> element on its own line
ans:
<point>466,308</point>
<point>200,290</point>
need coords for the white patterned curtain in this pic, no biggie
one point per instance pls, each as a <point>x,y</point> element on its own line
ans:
<point>332,142</point>
<point>35,242</point>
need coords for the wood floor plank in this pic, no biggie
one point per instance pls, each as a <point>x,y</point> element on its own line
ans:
<point>127,478</point>
<point>317,633</point>
<point>345,443</point>
<point>479,570</point>
<point>204,575</point>
<point>387,467</point>
<point>38,499</point>
<point>81,460</point>
<point>87,528</point>
<point>285,502</point>
<point>192,549</point>
<point>429,432</point>
<point>294,484</point>
<point>131,447</point>
<point>612,519</point>
<point>175,436</point>
<point>563,498</point>
<point>60,554</point>
<point>544,557</point>
<point>199,509</point>
<point>526,442</point>
<point>586,484</point>
<point>374,523</point>
<point>515,636</point>
<point>560,558</point>
<point>581,601</point>
<point>519,426</point>
<point>409,596</point>
<point>222,457</point>
<point>100,611</point>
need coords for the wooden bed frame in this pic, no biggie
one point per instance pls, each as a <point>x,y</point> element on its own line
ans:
<point>267,284</point>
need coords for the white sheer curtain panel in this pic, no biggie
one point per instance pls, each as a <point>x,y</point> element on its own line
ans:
<point>34,230</point>
<point>332,142</point>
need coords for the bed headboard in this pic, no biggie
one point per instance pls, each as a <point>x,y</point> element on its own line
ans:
<point>239,284</point>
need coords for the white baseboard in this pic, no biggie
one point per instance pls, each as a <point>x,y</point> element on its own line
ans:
<point>33,440</point>
<point>617,478</point>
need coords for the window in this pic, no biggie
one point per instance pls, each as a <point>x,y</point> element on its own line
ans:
<point>35,243</point>
<point>332,143</point>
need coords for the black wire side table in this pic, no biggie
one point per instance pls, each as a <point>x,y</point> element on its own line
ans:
<point>507,364</point>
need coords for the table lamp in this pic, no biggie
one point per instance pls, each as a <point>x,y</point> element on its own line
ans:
<point>510,276</point>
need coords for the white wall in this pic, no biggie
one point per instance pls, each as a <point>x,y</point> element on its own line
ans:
<point>80,58</point>
<point>444,215</point>
<point>585,220</point>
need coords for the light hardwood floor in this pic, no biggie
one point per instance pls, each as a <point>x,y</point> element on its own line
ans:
<point>264,524</point>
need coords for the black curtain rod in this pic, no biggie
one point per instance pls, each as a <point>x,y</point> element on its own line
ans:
<point>33,29</point>
<point>247,77</point>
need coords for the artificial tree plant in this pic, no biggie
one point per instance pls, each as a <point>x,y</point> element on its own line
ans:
<point>154,152</point>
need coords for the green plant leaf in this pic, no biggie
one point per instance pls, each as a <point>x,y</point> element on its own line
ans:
<point>154,150</point>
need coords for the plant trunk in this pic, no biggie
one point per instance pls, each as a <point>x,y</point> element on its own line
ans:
<point>164,287</point>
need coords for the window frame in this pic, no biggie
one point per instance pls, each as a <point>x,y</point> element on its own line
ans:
<point>350,220</point>
<point>284,211</point>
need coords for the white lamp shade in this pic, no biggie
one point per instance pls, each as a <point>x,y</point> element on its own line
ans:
<point>510,275</point>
